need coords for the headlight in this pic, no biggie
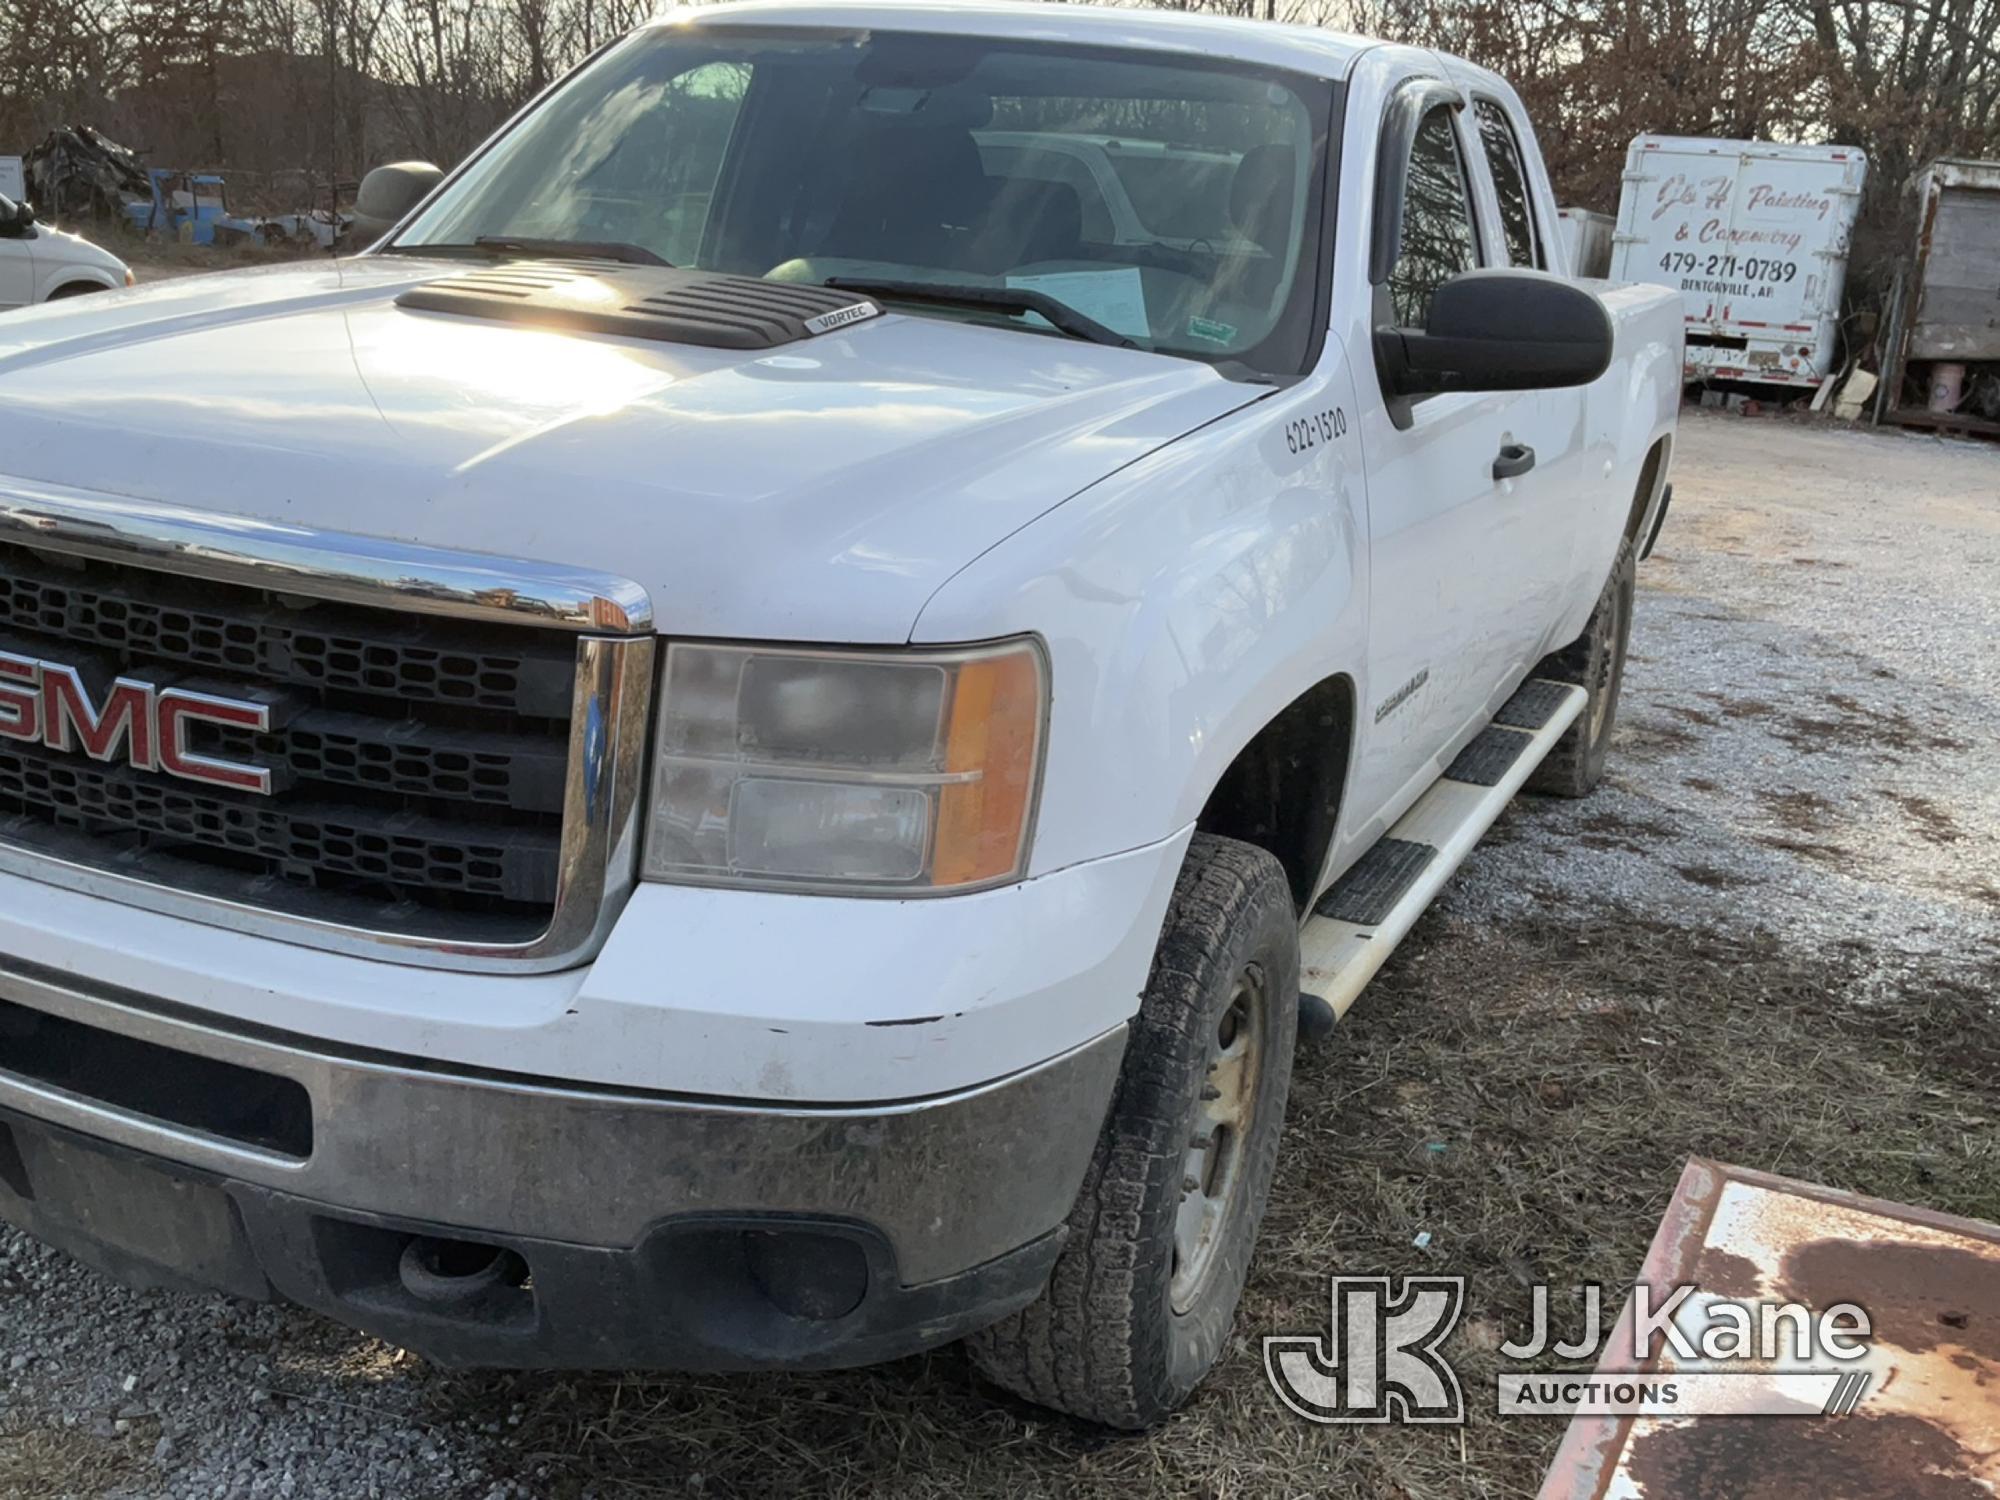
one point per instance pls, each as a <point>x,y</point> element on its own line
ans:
<point>890,772</point>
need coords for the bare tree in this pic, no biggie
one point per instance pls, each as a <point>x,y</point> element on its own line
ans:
<point>336,85</point>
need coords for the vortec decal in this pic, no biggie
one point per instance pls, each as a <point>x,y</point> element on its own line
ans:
<point>146,727</point>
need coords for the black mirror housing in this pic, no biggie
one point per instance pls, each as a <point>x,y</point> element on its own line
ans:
<point>1499,331</point>
<point>390,192</point>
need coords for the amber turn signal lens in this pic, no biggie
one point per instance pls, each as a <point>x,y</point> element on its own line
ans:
<point>994,740</point>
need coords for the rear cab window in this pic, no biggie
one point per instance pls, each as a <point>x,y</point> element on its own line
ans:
<point>1509,173</point>
<point>1438,239</point>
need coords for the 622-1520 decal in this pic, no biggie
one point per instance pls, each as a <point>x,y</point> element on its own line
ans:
<point>1319,427</point>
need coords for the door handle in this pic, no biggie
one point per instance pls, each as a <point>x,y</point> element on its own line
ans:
<point>1515,460</point>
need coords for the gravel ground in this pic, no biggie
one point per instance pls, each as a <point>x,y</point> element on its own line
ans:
<point>1808,727</point>
<point>1804,805</point>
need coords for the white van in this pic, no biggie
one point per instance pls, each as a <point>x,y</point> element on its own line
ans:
<point>1754,236</point>
<point>39,262</point>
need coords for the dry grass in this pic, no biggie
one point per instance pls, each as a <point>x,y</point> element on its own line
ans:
<point>1525,1093</point>
<point>167,260</point>
<point>57,1463</point>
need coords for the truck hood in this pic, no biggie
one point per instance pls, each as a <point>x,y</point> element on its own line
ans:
<point>821,491</point>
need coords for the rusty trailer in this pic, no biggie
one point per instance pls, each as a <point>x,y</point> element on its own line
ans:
<point>1944,326</point>
<point>1918,1417</point>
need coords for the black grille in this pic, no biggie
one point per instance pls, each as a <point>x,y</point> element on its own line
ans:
<point>418,765</point>
<point>359,651</point>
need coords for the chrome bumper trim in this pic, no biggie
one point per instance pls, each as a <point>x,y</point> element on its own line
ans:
<point>952,1181</point>
<point>609,710</point>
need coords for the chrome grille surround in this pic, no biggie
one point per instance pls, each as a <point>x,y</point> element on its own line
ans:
<point>609,618</point>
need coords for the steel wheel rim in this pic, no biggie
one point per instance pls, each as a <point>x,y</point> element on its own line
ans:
<point>1214,1169</point>
<point>1607,669</point>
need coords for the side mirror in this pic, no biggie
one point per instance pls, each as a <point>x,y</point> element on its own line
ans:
<point>1499,331</point>
<point>388,193</point>
<point>19,221</point>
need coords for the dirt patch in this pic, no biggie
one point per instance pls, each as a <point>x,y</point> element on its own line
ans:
<point>1931,821</point>
<point>1810,736</point>
<point>1859,1455</point>
<point>1696,716</point>
<point>1863,728</point>
<point>1830,855</point>
<point>1714,879</point>
<point>1741,708</point>
<point>1618,823</point>
<point>1649,741</point>
<point>1800,811</point>
<point>1614,831</point>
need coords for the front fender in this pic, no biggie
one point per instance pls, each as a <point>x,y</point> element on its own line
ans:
<point>1186,601</point>
<point>61,277</point>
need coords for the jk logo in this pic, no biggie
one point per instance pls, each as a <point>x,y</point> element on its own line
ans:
<point>1379,1362</point>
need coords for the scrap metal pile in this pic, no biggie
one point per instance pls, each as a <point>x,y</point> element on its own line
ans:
<point>77,173</point>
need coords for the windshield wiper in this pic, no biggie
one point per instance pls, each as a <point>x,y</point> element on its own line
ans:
<point>1017,299</point>
<point>494,246</point>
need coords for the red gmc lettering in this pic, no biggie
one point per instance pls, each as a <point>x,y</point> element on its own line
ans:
<point>178,709</point>
<point>47,703</point>
<point>20,698</point>
<point>127,715</point>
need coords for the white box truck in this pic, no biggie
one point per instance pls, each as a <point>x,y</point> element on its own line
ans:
<point>1754,236</point>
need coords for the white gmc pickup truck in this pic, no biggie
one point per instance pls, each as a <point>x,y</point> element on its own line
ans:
<point>743,745</point>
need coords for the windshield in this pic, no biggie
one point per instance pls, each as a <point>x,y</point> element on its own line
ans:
<point>1172,200</point>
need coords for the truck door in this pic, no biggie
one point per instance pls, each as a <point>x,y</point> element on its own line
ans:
<point>1458,511</point>
<point>1561,489</point>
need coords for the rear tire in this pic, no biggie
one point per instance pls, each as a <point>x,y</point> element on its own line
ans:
<point>1141,1300</point>
<point>1595,660</point>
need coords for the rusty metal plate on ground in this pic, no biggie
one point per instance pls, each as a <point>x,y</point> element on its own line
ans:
<point>1928,1425</point>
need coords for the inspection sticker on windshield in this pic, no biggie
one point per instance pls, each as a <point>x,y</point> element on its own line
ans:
<point>1117,299</point>
<point>1212,331</point>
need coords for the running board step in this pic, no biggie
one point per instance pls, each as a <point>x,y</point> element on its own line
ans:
<point>1357,923</point>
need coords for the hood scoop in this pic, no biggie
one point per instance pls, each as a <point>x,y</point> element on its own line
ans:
<point>667,303</point>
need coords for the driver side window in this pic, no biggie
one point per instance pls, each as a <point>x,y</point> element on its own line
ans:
<point>1437,240</point>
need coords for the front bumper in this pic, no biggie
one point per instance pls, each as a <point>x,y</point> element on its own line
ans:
<point>649,1230</point>
<point>803,1000</point>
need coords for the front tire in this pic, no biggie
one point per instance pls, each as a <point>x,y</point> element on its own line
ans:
<point>1595,661</point>
<point>1141,1300</point>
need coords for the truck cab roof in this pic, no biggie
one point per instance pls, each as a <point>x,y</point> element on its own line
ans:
<point>1304,49</point>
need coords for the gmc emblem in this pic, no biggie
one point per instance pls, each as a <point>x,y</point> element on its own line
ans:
<point>46,703</point>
